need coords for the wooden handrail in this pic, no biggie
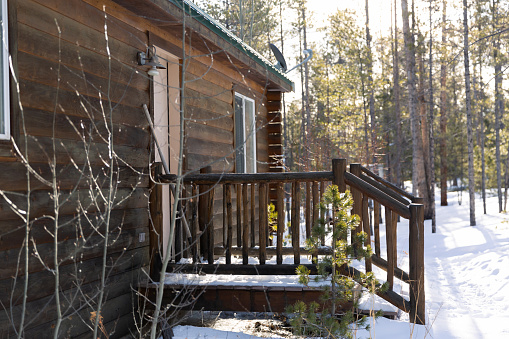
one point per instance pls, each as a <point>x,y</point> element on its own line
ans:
<point>240,178</point>
<point>388,184</point>
<point>375,193</point>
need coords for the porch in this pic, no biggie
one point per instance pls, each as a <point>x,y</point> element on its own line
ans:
<point>228,233</point>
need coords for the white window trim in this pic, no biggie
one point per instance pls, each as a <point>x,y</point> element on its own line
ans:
<point>253,135</point>
<point>6,116</point>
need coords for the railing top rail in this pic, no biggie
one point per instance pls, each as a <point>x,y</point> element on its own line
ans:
<point>375,193</point>
<point>388,184</point>
<point>240,178</point>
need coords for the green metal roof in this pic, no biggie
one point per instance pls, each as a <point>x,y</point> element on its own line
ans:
<point>198,14</point>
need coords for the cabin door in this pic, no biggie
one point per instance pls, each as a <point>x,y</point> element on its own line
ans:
<point>167,128</point>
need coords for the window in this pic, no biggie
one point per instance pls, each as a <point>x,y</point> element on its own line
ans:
<point>245,134</point>
<point>5,121</point>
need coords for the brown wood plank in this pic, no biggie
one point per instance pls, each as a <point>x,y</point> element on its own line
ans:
<point>218,164</point>
<point>44,97</point>
<point>296,223</point>
<point>89,18</point>
<point>72,54</point>
<point>42,204</point>
<point>50,73</point>
<point>263,225</point>
<point>210,223</point>
<point>229,218</point>
<point>195,231</point>
<point>70,227</point>
<point>69,250</point>
<point>204,147</point>
<point>416,253</point>
<point>209,133</point>
<point>355,169</point>
<point>68,177</point>
<point>367,229</point>
<point>274,95</point>
<point>41,123</point>
<point>391,261</point>
<point>374,193</point>
<point>280,208</point>
<point>253,215</point>
<point>239,215</point>
<point>376,220</point>
<point>42,283</point>
<point>308,209</point>
<point>210,90</point>
<point>245,225</point>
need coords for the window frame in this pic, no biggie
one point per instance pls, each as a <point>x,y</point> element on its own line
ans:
<point>245,136</point>
<point>5,109</point>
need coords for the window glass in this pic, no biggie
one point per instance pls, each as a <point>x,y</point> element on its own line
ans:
<point>245,135</point>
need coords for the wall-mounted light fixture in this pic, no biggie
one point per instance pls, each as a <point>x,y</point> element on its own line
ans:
<point>149,58</point>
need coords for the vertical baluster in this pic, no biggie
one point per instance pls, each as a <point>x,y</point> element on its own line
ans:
<point>296,224</point>
<point>389,229</point>
<point>194,222</point>
<point>355,169</point>
<point>308,209</point>
<point>245,226</point>
<point>376,221</point>
<point>229,220</point>
<point>366,228</point>
<point>239,215</point>
<point>253,216</point>
<point>322,213</point>
<point>280,223</point>
<point>262,196</point>
<point>225,221</point>
<point>210,225</point>
<point>316,205</point>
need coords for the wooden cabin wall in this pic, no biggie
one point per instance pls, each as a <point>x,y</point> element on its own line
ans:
<point>70,78</point>
<point>68,87</point>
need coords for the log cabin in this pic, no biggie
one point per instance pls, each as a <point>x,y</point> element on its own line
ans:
<point>80,215</point>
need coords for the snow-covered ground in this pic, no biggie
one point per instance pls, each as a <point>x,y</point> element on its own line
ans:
<point>467,279</point>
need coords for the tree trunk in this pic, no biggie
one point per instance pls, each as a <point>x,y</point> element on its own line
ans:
<point>417,156</point>
<point>431,134</point>
<point>306,84</point>
<point>397,108</point>
<point>371,90</point>
<point>424,183</point>
<point>470,142</point>
<point>443,114</point>
<point>498,101</point>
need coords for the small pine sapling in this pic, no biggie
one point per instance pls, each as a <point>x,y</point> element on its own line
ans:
<point>324,320</point>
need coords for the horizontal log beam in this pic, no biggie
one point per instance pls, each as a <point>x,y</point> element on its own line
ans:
<point>389,296</point>
<point>398,272</point>
<point>378,195</point>
<point>271,250</point>
<point>285,269</point>
<point>240,178</point>
<point>388,184</point>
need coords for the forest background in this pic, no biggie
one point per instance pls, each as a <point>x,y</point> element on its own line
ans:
<point>417,96</point>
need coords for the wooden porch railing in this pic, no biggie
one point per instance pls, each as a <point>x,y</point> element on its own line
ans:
<point>251,229</point>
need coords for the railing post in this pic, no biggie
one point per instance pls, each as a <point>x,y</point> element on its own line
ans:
<point>416,252</point>
<point>338,170</point>
<point>206,202</point>
<point>296,222</point>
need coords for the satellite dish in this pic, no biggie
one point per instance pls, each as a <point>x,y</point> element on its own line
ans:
<point>281,62</point>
